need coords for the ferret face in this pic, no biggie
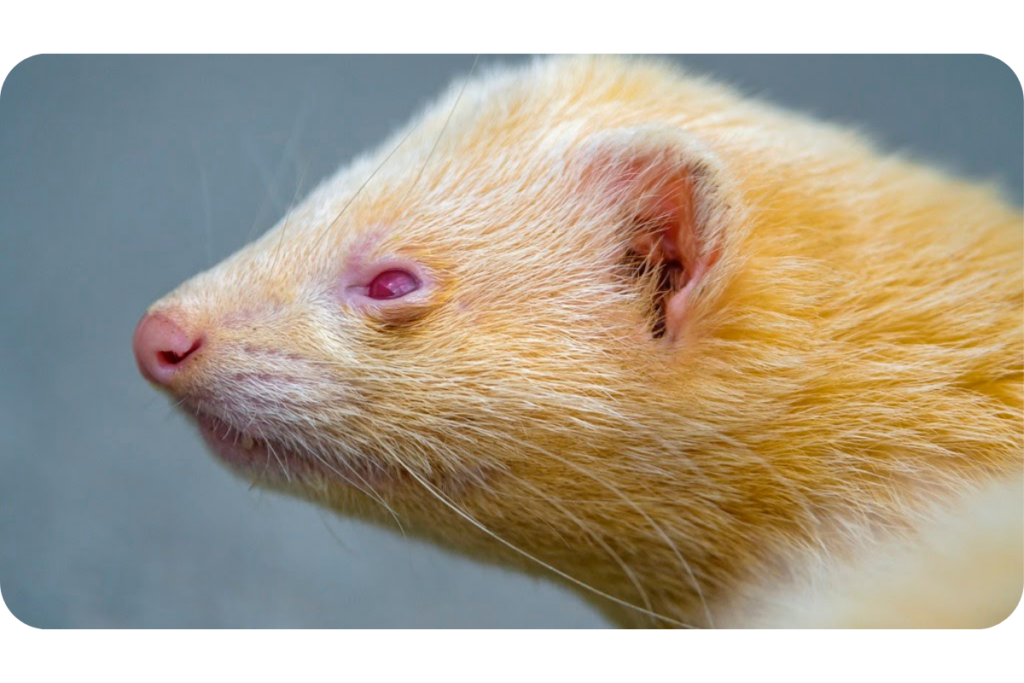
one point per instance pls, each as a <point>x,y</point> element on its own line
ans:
<point>439,317</point>
<point>595,315</point>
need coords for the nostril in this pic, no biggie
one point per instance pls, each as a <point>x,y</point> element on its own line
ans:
<point>173,357</point>
<point>162,347</point>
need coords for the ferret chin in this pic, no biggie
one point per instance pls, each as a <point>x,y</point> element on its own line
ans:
<point>707,361</point>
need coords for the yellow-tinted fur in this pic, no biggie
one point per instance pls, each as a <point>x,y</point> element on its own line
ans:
<point>850,361</point>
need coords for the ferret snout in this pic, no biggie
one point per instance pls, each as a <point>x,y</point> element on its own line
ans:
<point>162,348</point>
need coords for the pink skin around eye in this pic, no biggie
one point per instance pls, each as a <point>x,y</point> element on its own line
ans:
<point>392,284</point>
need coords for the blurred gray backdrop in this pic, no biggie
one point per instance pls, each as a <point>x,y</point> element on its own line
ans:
<point>122,176</point>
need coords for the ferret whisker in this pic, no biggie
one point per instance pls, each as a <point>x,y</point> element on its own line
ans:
<point>643,513</point>
<point>325,518</point>
<point>270,181</point>
<point>444,127</point>
<point>444,500</point>
<point>369,492</point>
<point>595,536</point>
<point>280,463</point>
<point>289,216</point>
<point>330,226</point>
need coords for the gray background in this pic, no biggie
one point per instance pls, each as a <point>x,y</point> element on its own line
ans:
<point>122,176</point>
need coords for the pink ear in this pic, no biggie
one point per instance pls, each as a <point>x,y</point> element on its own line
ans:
<point>660,186</point>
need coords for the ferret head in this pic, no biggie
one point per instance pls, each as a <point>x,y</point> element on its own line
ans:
<point>528,326</point>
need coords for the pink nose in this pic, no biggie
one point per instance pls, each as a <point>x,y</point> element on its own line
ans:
<point>162,348</point>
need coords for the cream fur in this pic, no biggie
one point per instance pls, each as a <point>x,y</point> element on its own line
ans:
<point>850,362</point>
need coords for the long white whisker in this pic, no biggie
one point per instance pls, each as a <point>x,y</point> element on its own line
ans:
<point>446,122</point>
<point>330,226</point>
<point>270,180</point>
<point>469,518</point>
<point>630,574</point>
<point>654,525</point>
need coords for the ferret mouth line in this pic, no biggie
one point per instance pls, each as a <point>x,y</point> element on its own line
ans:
<point>270,462</point>
<point>263,458</point>
<point>245,451</point>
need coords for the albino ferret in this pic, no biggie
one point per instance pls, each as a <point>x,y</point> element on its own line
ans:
<point>710,362</point>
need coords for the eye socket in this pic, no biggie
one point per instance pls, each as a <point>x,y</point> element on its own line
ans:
<point>392,284</point>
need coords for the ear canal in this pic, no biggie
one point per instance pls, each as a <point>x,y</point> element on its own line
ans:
<point>660,187</point>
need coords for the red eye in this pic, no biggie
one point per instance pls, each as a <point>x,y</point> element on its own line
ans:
<point>392,284</point>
